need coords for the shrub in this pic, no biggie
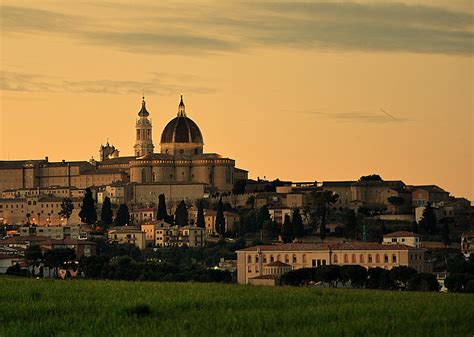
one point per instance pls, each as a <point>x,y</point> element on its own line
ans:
<point>423,282</point>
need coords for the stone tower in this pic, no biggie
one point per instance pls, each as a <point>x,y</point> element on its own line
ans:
<point>144,141</point>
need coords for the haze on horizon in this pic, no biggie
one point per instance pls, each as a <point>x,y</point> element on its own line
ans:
<point>296,90</point>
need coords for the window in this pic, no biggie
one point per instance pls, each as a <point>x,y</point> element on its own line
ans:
<point>319,262</point>
<point>369,258</point>
<point>249,259</point>
<point>278,257</point>
<point>287,260</point>
<point>271,258</point>
<point>294,258</point>
<point>313,263</point>
<point>249,269</point>
<point>377,258</point>
<point>335,258</point>
<point>264,259</point>
<point>354,260</point>
<point>385,258</point>
<point>361,258</point>
<point>346,258</point>
<point>304,258</point>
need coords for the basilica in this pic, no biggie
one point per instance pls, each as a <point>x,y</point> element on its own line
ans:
<point>180,160</point>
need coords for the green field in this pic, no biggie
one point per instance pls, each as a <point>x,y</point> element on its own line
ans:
<point>30,307</point>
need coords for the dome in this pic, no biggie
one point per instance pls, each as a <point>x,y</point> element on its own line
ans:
<point>181,129</point>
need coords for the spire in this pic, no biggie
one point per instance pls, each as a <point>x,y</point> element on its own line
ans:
<point>181,108</point>
<point>143,112</point>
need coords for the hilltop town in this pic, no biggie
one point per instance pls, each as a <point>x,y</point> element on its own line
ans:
<point>183,209</point>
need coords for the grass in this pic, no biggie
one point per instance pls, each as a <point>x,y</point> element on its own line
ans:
<point>30,307</point>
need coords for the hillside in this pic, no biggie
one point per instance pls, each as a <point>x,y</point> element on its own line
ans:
<point>31,307</point>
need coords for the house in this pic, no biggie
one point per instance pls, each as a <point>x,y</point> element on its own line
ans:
<point>467,243</point>
<point>402,238</point>
<point>176,236</point>
<point>127,234</point>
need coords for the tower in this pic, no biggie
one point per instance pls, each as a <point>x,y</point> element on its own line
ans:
<point>143,140</point>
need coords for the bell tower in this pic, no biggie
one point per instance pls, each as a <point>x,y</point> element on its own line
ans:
<point>143,138</point>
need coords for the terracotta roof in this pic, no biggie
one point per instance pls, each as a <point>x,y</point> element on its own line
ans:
<point>277,264</point>
<point>400,234</point>
<point>326,247</point>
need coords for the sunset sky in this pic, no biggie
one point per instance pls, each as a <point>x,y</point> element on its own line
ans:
<point>294,90</point>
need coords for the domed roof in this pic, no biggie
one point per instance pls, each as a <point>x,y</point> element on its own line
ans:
<point>181,129</point>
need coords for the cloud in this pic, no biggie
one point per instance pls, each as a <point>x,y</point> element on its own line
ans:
<point>357,116</point>
<point>159,83</point>
<point>234,26</point>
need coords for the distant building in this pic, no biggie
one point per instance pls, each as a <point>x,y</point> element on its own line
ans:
<point>421,195</point>
<point>127,234</point>
<point>402,238</point>
<point>272,273</point>
<point>251,261</point>
<point>210,216</point>
<point>151,229</point>
<point>142,215</point>
<point>467,243</point>
<point>175,236</point>
<point>54,232</point>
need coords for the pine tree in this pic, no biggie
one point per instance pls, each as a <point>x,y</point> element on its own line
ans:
<point>297,224</point>
<point>220,219</point>
<point>66,209</point>
<point>287,230</point>
<point>181,214</point>
<point>162,213</point>
<point>88,213</point>
<point>123,216</point>
<point>200,222</point>
<point>106,213</point>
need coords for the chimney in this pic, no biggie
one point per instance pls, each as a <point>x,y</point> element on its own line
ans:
<point>46,158</point>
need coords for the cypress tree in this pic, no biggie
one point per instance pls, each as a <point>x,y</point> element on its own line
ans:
<point>287,230</point>
<point>88,213</point>
<point>123,216</point>
<point>162,213</point>
<point>181,215</point>
<point>66,209</point>
<point>220,219</point>
<point>106,212</point>
<point>428,221</point>
<point>200,222</point>
<point>297,224</point>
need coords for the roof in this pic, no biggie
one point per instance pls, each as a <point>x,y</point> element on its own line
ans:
<point>11,164</point>
<point>116,161</point>
<point>337,183</point>
<point>181,129</point>
<point>143,112</point>
<point>53,242</point>
<point>155,156</point>
<point>430,188</point>
<point>277,264</point>
<point>400,234</point>
<point>125,229</point>
<point>325,247</point>
<point>102,171</point>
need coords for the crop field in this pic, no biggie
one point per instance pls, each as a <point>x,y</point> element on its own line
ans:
<point>30,307</point>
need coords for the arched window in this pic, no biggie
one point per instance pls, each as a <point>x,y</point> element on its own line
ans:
<point>335,258</point>
<point>294,258</point>
<point>278,257</point>
<point>369,258</point>
<point>264,258</point>
<point>304,258</point>
<point>256,258</point>
<point>377,258</point>
<point>143,176</point>
<point>361,258</point>
<point>394,258</point>
<point>354,260</point>
<point>385,258</point>
<point>346,258</point>
<point>249,259</point>
<point>154,176</point>
<point>271,258</point>
<point>287,259</point>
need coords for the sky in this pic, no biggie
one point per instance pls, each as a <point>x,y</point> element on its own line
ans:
<point>299,91</point>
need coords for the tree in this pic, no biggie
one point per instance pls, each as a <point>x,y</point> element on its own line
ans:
<point>200,222</point>
<point>66,209</point>
<point>356,274</point>
<point>396,201</point>
<point>263,216</point>
<point>220,219</point>
<point>58,257</point>
<point>456,282</point>
<point>428,220</point>
<point>371,177</point>
<point>250,202</point>
<point>350,222</point>
<point>33,253</point>
<point>423,282</point>
<point>123,216</point>
<point>88,213</point>
<point>445,233</point>
<point>271,228</point>
<point>106,212</point>
<point>287,230</point>
<point>162,213</point>
<point>401,274</point>
<point>321,203</point>
<point>181,214</point>
<point>297,224</point>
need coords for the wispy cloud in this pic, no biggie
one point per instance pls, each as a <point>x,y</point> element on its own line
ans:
<point>357,116</point>
<point>159,83</point>
<point>189,29</point>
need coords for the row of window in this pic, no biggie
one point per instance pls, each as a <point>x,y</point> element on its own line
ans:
<point>343,259</point>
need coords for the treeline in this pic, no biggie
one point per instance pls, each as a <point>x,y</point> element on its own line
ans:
<point>398,278</point>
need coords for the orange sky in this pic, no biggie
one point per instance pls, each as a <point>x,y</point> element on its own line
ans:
<point>289,90</point>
